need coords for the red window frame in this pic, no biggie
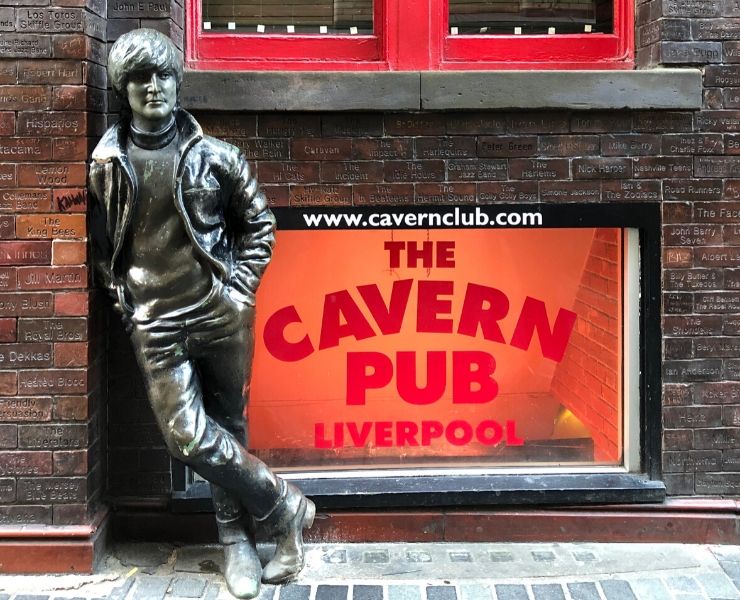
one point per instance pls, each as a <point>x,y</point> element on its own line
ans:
<point>410,35</point>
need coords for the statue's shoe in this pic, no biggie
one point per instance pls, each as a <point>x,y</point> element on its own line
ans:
<point>243,569</point>
<point>295,514</point>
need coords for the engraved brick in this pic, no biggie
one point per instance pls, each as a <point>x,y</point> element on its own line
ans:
<point>475,123</point>
<point>716,212</point>
<point>70,462</point>
<point>510,191</point>
<point>695,325</point>
<point>27,304</point>
<point>731,189</point>
<point>28,148</point>
<point>414,171</point>
<point>679,371</point>
<point>352,125</point>
<point>25,253</point>
<point>732,142</point>
<point>480,169</point>
<point>52,381</point>
<point>684,143</point>
<point>724,121</point>
<point>52,489</point>
<point>677,395</point>
<point>49,20</point>
<point>21,356</point>
<point>41,226</point>
<point>7,176</point>
<point>725,392</point>
<point>445,147</point>
<point>679,53</point>
<point>717,166</point>
<point>7,330</point>
<point>49,72</point>
<point>722,76</point>
<point>69,200</point>
<point>7,127</point>
<point>730,460</point>
<point>52,437</point>
<point>69,149</point>
<point>700,9</point>
<point>731,416</point>
<point>383,194</point>
<point>731,52</point>
<point>691,235</point>
<point>320,195</point>
<point>655,167</point>
<point>276,195</point>
<point>539,168</point>
<point>141,9</point>
<point>631,191</point>
<point>16,410</point>
<point>71,304</point>
<point>382,149</point>
<point>52,330</point>
<point>25,463</point>
<point>261,149</point>
<point>677,257</point>
<point>596,122</point>
<point>717,439</point>
<point>692,460</point>
<point>24,45</point>
<point>71,514</point>
<point>717,256</point>
<point>277,125</point>
<point>678,439</point>
<point>507,146</point>
<point>320,149</point>
<point>445,193</point>
<point>570,191</point>
<point>732,282</point>
<point>715,29</point>
<point>693,279</point>
<point>25,515</point>
<point>663,121</point>
<point>415,124</point>
<point>288,172</point>
<point>352,172</point>
<point>7,18</point>
<point>535,122</point>
<point>51,123</point>
<point>73,45</point>
<point>48,278</point>
<point>27,97</point>
<point>713,98</point>
<point>676,348</point>
<point>692,190</point>
<point>7,490</point>
<point>69,97</point>
<point>52,174</point>
<point>602,168</point>
<point>8,71</point>
<point>8,383</point>
<point>717,347</point>
<point>629,144</point>
<point>717,302</point>
<point>228,126</point>
<point>568,145</point>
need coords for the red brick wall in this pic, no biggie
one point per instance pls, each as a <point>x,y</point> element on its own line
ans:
<point>51,416</point>
<point>586,381</point>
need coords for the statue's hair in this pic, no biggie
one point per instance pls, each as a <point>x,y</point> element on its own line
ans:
<point>139,50</point>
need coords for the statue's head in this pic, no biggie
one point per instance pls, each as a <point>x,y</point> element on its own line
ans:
<point>145,70</point>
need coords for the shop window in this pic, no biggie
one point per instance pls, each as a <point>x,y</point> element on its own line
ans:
<point>419,35</point>
<point>447,340</point>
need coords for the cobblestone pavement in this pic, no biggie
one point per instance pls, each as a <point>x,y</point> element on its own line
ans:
<point>413,572</point>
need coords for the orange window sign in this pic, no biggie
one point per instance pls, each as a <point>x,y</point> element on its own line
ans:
<point>440,347</point>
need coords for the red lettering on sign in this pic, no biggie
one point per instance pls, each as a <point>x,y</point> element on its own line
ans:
<point>389,318</point>
<point>484,306</point>
<point>337,306</point>
<point>407,377</point>
<point>430,306</point>
<point>534,316</point>
<point>274,336</point>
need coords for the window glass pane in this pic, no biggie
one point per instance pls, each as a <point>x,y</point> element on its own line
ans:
<point>287,16</point>
<point>530,16</point>
<point>440,347</point>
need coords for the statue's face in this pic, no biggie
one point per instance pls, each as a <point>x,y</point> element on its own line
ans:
<point>152,95</point>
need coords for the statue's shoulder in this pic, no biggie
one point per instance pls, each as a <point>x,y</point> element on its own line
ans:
<point>109,146</point>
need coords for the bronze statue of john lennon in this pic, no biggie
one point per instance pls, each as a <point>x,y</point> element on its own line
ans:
<point>181,237</point>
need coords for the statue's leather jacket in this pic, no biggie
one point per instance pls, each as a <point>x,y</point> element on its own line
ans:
<point>225,214</point>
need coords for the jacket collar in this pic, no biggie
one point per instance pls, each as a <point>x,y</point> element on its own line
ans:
<point>112,145</point>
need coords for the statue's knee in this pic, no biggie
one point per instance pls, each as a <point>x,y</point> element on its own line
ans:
<point>183,442</point>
